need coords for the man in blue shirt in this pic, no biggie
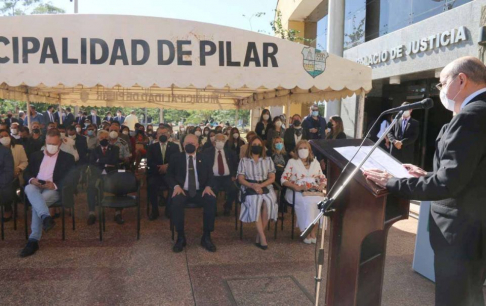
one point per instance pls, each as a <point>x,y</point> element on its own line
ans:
<point>315,124</point>
<point>35,116</point>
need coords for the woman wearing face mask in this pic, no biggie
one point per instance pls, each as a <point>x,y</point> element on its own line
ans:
<point>20,163</point>
<point>337,128</point>
<point>264,124</point>
<point>276,131</point>
<point>294,134</point>
<point>141,142</point>
<point>256,173</point>
<point>210,140</point>
<point>150,133</point>
<point>235,142</point>
<point>125,135</point>
<point>205,134</point>
<point>303,174</point>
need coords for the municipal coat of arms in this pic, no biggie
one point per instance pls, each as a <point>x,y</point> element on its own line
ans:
<point>314,61</point>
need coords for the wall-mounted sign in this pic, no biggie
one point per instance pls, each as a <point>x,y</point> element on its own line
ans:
<point>427,43</point>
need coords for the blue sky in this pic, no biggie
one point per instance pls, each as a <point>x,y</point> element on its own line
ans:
<point>223,12</point>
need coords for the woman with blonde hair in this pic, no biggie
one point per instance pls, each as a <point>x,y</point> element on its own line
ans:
<point>304,176</point>
<point>256,174</point>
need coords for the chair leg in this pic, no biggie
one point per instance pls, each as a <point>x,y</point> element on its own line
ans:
<point>236,216</point>
<point>15,214</point>
<point>138,220</point>
<point>293,222</point>
<point>100,221</point>
<point>282,219</point>
<point>241,230</point>
<point>276,225</point>
<point>104,221</point>
<point>1,216</point>
<point>172,228</point>
<point>25,221</point>
<point>63,223</point>
<point>73,213</point>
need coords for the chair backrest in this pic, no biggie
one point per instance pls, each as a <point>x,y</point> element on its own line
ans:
<point>120,183</point>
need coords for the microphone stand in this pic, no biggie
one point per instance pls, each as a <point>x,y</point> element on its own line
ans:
<point>325,206</point>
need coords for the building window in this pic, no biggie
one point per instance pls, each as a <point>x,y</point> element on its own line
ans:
<point>397,14</point>
<point>354,23</point>
<point>321,39</point>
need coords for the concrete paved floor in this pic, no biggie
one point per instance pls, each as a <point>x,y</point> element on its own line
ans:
<point>123,271</point>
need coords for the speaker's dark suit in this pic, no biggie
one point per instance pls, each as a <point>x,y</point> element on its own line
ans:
<point>98,162</point>
<point>176,175</point>
<point>408,139</point>
<point>63,170</point>
<point>155,179</point>
<point>289,139</point>
<point>225,182</point>
<point>457,190</point>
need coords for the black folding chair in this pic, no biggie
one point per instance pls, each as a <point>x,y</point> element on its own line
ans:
<point>66,201</point>
<point>122,186</point>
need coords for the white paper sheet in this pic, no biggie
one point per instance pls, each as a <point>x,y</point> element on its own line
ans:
<point>378,160</point>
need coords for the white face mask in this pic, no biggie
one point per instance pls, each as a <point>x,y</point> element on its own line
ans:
<point>197,133</point>
<point>206,133</point>
<point>278,124</point>
<point>78,130</point>
<point>113,134</point>
<point>406,114</point>
<point>125,132</point>
<point>236,135</point>
<point>14,131</point>
<point>266,117</point>
<point>63,135</point>
<point>303,153</point>
<point>5,141</point>
<point>52,149</point>
<point>212,138</point>
<point>219,145</point>
<point>72,136</point>
<point>448,103</point>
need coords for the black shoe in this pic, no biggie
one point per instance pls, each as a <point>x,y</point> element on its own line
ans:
<point>30,249</point>
<point>263,247</point>
<point>154,215</point>
<point>91,219</point>
<point>179,245</point>
<point>208,244</point>
<point>226,213</point>
<point>48,223</point>
<point>119,219</point>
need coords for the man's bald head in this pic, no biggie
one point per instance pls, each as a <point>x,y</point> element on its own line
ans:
<point>191,139</point>
<point>470,66</point>
<point>220,137</point>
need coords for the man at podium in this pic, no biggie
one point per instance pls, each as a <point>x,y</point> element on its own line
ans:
<point>456,187</point>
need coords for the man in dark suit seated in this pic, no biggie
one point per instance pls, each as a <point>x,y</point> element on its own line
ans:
<point>6,169</point>
<point>103,160</point>
<point>456,187</point>
<point>403,137</point>
<point>225,165</point>
<point>119,117</point>
<point>294,134</point>
<point>191,178</point>
<point>158,156</point>
<point>80,143</point>
<point>45,176</point>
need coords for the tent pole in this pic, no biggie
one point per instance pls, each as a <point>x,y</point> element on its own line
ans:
<point>29,123</point>
<point>360,121</point>
<point>287,112</point>
<point>145,110</point>
<point>59,110</point>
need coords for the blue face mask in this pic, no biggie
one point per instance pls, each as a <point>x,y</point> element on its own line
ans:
<point>315,113</point>
<point>279,146</point>
<point>90,133</point>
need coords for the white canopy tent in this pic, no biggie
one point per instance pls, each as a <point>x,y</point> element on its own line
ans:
<point>111,60</point>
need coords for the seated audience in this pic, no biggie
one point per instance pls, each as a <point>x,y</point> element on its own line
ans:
<point>294,134</point>
<point>303,173</point>
<point>15,132</point>
<point>36,140</point>
<point>45,177</point>
<point>275,131</point>
<point>141,143</point>
<point>68,144</point>
<point>122,145</point>
<point>337,128</point>
<point>191,178</point>
<point>264,125</point>
<point>80,143</point>
<point>91,137</point>
<point>235,142</point>
<point>225,164</point>
<point>279,157</point>
<point>158,156</point>
<point>249,136</point>
<point>256,174</point>
<point>210,140</point>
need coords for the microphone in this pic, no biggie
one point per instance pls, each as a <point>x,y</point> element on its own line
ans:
<point>424,104</point>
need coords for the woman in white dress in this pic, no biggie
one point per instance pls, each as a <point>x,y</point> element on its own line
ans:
<point>256,173</point>
<point>303,173</point>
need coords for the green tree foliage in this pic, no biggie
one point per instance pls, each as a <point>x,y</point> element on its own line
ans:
<point>24,7</point>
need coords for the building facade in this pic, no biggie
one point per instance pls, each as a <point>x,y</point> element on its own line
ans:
<point>406,43</point>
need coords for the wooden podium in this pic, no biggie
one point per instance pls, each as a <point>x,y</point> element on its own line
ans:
<point>358,230</point>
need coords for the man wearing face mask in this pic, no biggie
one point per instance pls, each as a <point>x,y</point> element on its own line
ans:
<point>36,140</point>
<point>225,164</point>
<point>120,143</point>
<point>68,144</point>
<point>94,118</point>
<point>403,137</point>
<point>119,117</point>
<point>314,124</point>
<point>294,134</point>
<point>80,143</point>
<point>45,176</point>
<point>103,160</point>
<point>158,156</point>
<point>91,137</point>
<point>457,222</point>
<point>10,119</point>
<point>191,178</point>
<point>15,133</point>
